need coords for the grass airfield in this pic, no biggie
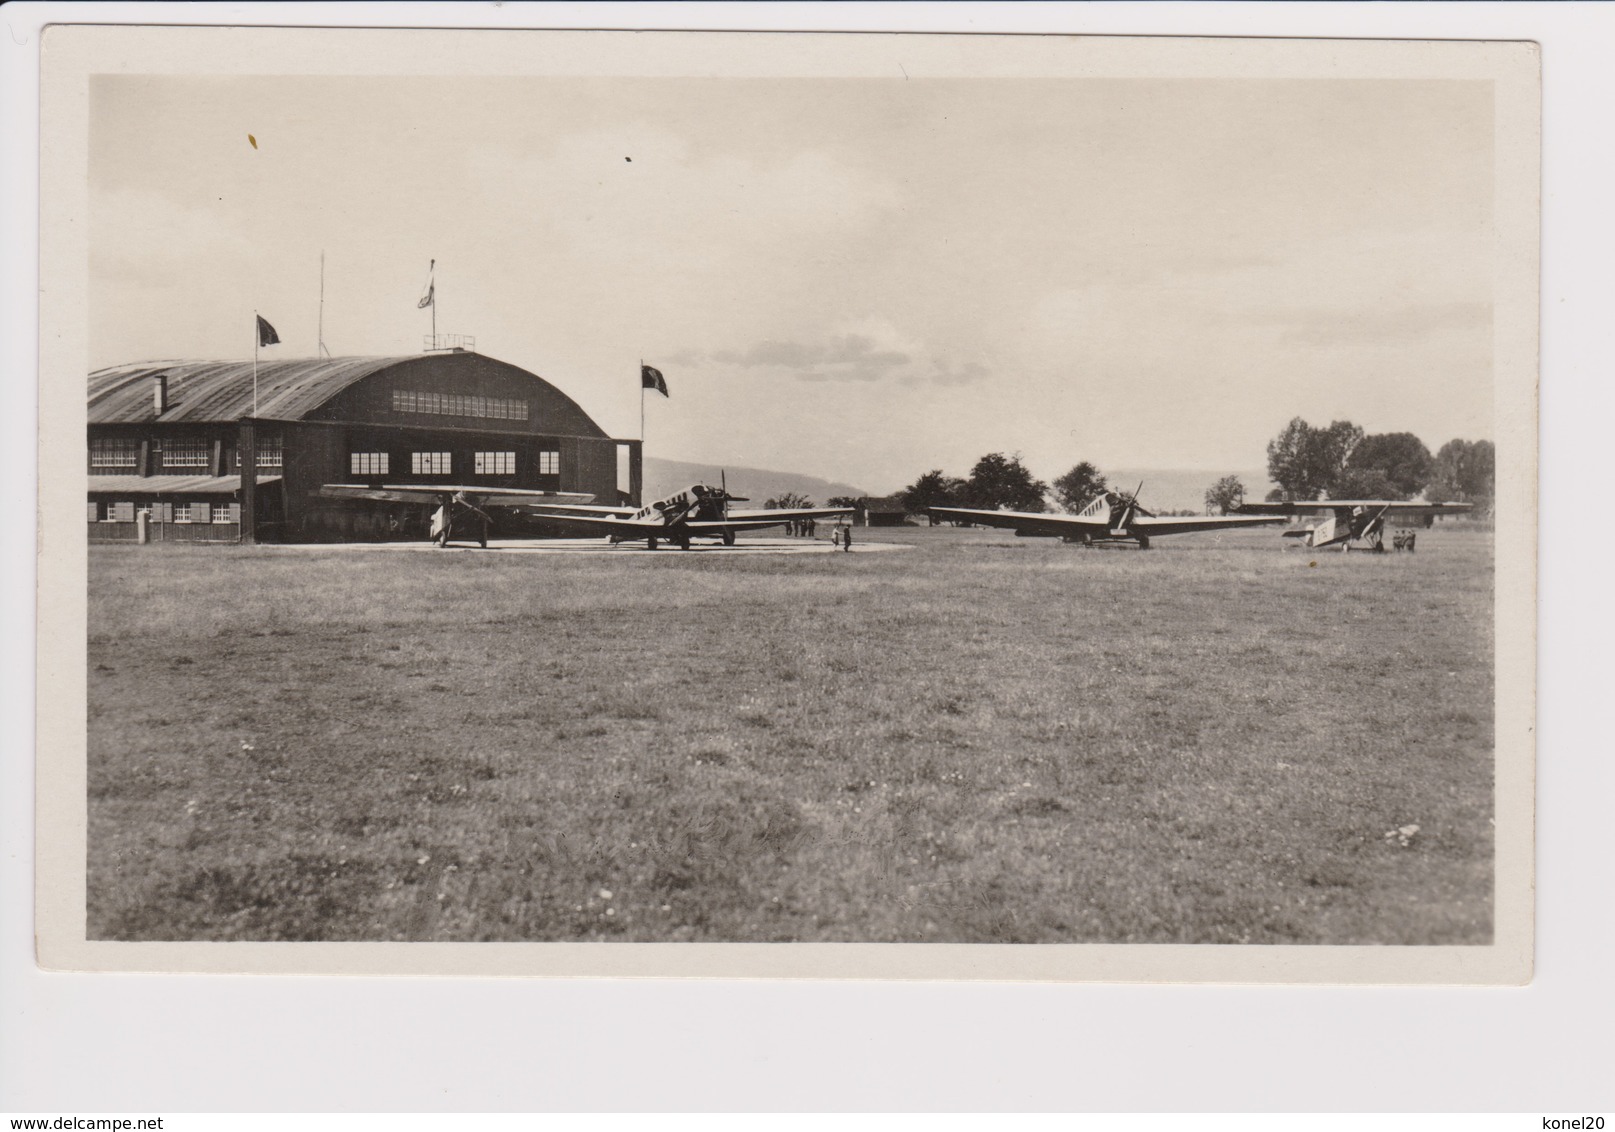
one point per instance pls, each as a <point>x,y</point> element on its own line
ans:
<point>984,739</point>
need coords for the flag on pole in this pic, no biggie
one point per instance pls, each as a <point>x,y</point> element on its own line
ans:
<point>429,296</point>
<point>266,333</point>
<point>651,378</point>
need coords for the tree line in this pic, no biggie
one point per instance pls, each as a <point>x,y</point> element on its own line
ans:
<point>1339,461</point>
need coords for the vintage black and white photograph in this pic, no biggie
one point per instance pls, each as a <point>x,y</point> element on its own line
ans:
<point>921,490</point>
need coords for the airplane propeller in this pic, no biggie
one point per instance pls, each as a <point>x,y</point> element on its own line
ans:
<point>1375,523</point>
<point>1131,505</point>
<point>1142,510</point>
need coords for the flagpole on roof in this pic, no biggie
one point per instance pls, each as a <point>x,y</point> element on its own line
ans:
<point>323,352</point>
<point>642,404</point>
<point>256,335</point>
<point>429,299</point>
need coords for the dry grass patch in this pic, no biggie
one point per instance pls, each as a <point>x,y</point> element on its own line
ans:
<point>982,739</point>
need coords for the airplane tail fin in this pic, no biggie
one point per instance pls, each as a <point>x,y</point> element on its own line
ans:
<point>1323,534</point>
<point>1098,508</point>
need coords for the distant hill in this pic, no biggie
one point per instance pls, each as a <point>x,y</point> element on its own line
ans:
<point>1165,489</point>
<point>664,477</point>
<point>1183,489</point>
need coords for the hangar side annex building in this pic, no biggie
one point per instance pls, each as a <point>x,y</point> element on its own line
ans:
<point>183,443</point>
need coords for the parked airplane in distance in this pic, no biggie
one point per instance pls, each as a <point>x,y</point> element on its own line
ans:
<point>1350,521</point>
<point>1110,517</point>
<point>699,511</point>
<point>458,507</point>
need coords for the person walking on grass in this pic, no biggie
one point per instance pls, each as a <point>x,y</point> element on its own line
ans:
<point>846,538</point>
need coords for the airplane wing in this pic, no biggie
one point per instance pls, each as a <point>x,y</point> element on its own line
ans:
<point>757,520</point>
<point>765,518</point>
<point>600,524</point>
<point>649,528</point>
<point>1330,506</point>
<point>1068,526</point>
<point>563,510</point>
<point>434,493</point>
<point>1182,525</point>
<point>716,527</point>
<point>631,528</point>
<point>785,515</point>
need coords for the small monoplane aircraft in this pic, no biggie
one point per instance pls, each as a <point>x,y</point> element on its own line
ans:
<point>458,508</point>
<point>699,511</point>
<point>1351,524</point>
<point>1110,517</point>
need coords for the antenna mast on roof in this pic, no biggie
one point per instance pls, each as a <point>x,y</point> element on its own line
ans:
<point>323,352</point>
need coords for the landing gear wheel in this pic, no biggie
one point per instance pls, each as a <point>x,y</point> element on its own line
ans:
<point>684,543</point>
<point>728,538</point>
<point>650,544</point>
<point>1143,544</point>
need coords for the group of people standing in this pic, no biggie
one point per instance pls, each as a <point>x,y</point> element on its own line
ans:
<point>840,533</point>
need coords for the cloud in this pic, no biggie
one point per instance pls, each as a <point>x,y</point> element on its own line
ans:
<point>869,350</point>
<point>850,357</point>
<point>963,373</point>
<point>1328,326</point>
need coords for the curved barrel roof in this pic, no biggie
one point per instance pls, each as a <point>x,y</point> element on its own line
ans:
<point>292,389</point>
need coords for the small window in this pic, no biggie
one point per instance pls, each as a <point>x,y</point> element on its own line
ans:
<point>368,463</point>
<point>459,405</point>
<point>549,463</point>
<point>185,452</point>
<point>496,463</point>
<point>114,454</point>
<point>227,513</point>
<point>431,463</point>
<point>269,452</point>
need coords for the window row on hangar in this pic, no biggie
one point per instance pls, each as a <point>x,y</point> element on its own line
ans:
<point>220,443</point>
<point>188,455</point>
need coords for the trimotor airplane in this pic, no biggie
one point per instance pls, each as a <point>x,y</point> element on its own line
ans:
<point>1350,521</point>
<point>1110,517</point>
<point>457,506</point>
<point>699,511</point>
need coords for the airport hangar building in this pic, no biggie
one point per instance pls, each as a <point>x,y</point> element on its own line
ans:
<point>192,451</point>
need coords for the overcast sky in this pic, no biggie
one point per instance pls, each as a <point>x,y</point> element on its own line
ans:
<point>859,279</point>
